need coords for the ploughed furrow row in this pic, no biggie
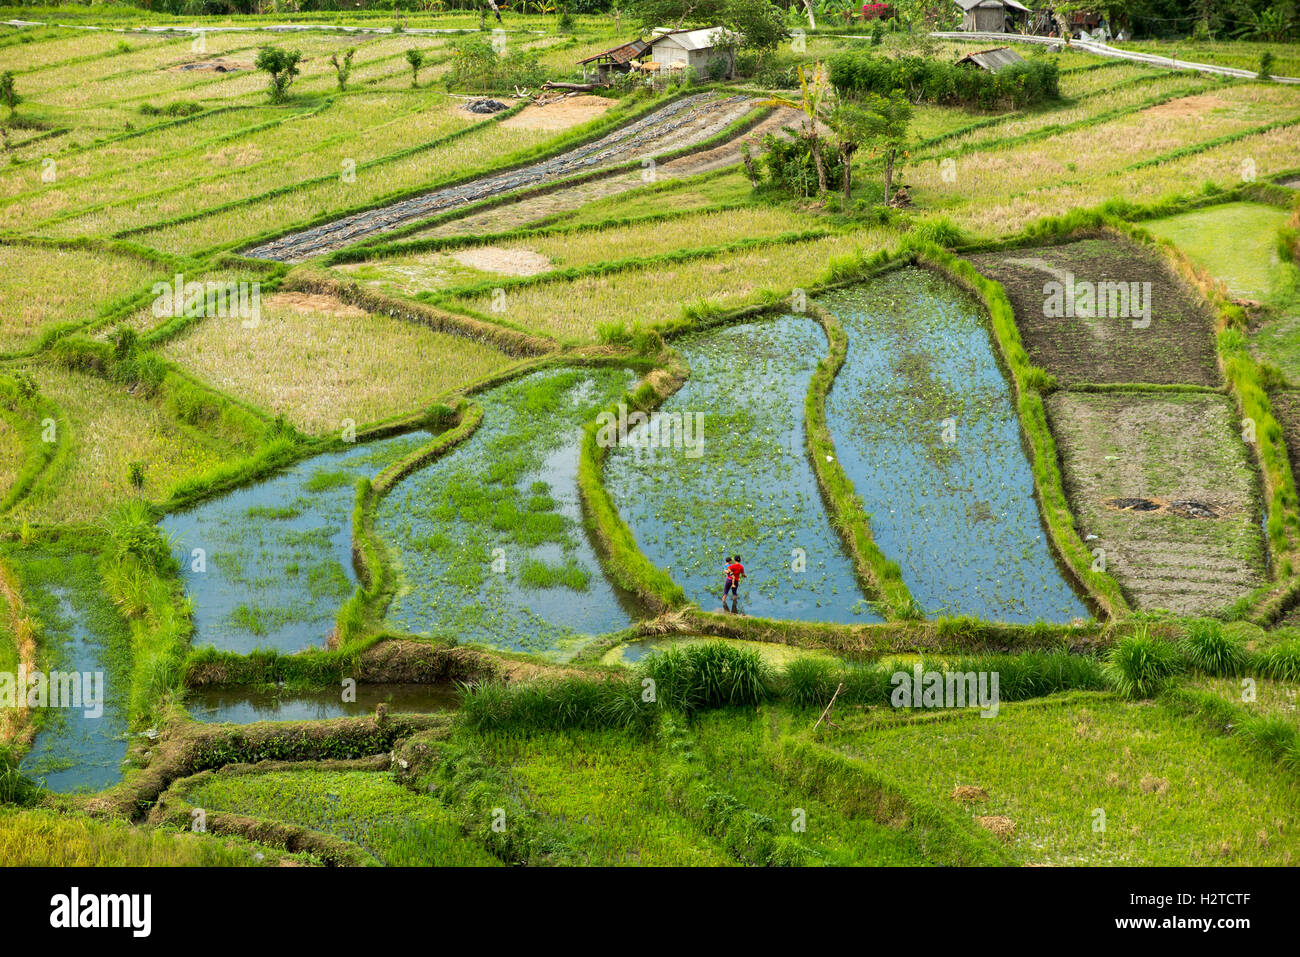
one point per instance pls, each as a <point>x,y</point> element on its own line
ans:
<point>681,123</point>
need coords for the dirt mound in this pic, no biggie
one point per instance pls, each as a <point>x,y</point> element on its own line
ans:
<point>219,65</point>
<point>511,262</point>
<point>313,303</point>
<point>1153,785</point>
<point>1003,828</point>
<point>1184,507</point>
<point>559,113</point>
<point>968,794</point>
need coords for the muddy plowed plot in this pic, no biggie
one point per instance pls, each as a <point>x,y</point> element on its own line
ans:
<point>1165,485</point>
<point>1103,310</point>
<point>681,123</point>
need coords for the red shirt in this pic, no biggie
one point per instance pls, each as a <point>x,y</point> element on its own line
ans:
<point>735,571</point>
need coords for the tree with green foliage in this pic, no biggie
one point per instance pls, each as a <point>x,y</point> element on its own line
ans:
<point>343,68</point>
<point>852,127</point>
<point>416,59</point>
<point>8,92</point>
<point>281,66</point>
<point>884,130</point>
<point>760,23</point>
<point>135,475</point>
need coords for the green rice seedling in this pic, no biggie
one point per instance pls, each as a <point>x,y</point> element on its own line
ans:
<point>1139,665</point>
<point>1207,648</point>
<point>1281,662</point>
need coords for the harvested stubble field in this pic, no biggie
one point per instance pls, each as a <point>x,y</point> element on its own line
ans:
<point>413,273</point>
<point>1046,766</point>
<point>320,362</point>
<point>37,296</point>
<point>573,309</point>
<point>1167,486</point>
<point>1110,343</point>
<point>105,428</point>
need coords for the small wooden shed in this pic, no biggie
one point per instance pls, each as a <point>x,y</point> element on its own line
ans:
<point>993,60</point>
<point>617,60</point>
<point>992,16</point>
<point>677,49</point>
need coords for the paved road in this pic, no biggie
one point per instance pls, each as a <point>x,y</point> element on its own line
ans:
<point>1104,49</point>
<point>682,122</point>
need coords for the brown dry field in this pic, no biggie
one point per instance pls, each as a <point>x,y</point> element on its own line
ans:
<point>1177,346</point>
<point>1172,449</point>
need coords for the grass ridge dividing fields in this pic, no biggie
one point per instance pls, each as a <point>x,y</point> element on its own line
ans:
<point>363,612</point>
<point>879,576</point>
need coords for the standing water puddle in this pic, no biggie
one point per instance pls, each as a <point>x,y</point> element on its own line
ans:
<point>78,748</point>
<point>924,423</point>
<point>278,553</point>
<point>236,706</point>
<point>748,488</point>
<point>491,536</point>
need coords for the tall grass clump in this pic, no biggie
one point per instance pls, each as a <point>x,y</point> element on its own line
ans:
<point>1138,666</point>
<point>1207,648</point>
<point>707,675</point>
<point>15,787</point>
<point>1281,662</point>
<point>595,704</point>
<point>810,682</point>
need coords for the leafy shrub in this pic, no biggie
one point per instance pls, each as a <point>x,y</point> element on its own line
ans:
<point>179,108</point>
<point>1207,648</point>
<point>790,167</point>
<point>1138,666</point>
<point>854,73</point>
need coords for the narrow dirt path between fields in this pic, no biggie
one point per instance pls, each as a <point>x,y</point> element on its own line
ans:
<point>681,123</point>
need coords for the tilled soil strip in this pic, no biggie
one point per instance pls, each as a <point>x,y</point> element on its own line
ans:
<point>691,119</point>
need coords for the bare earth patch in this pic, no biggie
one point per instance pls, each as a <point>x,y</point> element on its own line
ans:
<point>1187,106</point>
<point>218,65</point>
<point>314,304</point>
<point>1121,450</point>
<point>510,262</point>
<point>559,114</point>
<point>1172,341</point>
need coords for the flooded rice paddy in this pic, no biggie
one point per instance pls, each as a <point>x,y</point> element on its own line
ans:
<point>924,424</point>
<point>746,487</point>
<point>490,538</point>
<point>277,555</point>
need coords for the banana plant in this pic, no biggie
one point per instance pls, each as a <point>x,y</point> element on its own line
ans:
<point>815,94</point>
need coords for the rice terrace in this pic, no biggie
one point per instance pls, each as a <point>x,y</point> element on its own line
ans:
<point>650,432</point>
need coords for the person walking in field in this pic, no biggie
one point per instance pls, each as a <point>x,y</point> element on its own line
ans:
<point>735,572</point>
